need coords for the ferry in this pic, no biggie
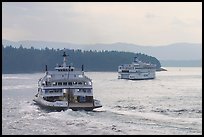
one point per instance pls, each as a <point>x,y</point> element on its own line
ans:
<point>138,70</point>
<point>66,88</point>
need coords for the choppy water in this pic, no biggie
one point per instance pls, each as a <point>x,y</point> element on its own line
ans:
<point>170,104</point>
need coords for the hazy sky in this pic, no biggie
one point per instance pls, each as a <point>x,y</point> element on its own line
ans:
<point>147,23</point>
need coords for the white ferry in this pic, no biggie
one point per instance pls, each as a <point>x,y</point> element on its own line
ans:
<point>137,70</point>
<point>66,88</point>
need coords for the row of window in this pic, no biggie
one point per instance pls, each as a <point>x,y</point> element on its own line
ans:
<point>53,91</point>
<point>84,90</point>
<point>69,83</point>
<point>66,83</point>
<point>60,91</point>
<point>65,69</point>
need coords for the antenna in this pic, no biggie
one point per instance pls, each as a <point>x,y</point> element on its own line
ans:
<point>46,72</point>
<point>64,61</point>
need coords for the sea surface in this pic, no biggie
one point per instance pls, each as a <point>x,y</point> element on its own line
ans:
<point>170,104</point>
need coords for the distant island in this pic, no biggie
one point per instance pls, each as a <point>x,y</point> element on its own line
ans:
<point>31,60</point>
<point>190,53</point>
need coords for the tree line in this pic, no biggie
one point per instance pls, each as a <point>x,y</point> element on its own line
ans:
<point>31,60</point>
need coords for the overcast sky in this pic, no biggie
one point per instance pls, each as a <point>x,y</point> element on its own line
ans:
<point>147,23</point>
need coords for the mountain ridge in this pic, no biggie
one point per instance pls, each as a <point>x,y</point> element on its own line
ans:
<point>174,51</point>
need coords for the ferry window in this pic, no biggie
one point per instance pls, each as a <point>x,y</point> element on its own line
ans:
<point>74,83</point>
<point>51,91</point>
<point>80,83</point>
<point>64,83</point>
<point>85,83</point>
<point>70,83</point>
<point>81,99</point>
<point>54,84</point>
<point>59,83</point>
<point>46,91</point>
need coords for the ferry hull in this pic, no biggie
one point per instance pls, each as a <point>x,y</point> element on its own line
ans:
<point>51,106</point>
<point>136,76</point>
<point>84,108</point>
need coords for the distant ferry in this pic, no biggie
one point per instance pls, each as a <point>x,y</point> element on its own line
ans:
<point>138,70</point>
<point>66,88</point>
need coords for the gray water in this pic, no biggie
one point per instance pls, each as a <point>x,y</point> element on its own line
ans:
<point>171,104</point>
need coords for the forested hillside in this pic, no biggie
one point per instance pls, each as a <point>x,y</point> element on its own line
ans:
<point>29,60</point>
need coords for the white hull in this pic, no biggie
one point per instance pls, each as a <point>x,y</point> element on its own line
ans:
<point>136,76</point>
<point>63,105</point>
<point>55,105</point>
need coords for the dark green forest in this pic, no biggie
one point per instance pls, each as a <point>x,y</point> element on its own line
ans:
<point>31,60</point>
